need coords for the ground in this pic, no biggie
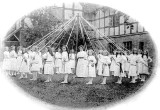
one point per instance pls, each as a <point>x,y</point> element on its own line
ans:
<point>77,93</point>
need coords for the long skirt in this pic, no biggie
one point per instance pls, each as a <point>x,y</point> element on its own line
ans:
<point>91,71</point>
<point>106,71</point>
<point>13,66</point>
<point>99,68</point>
<point>6,64</point>
<point>58,64</point>
<point>19,62</point>
<point>139,68</point>
<point>133,70</point>
<point>81,69</point>
<point>113,65</point>
<point>24,68</point>
<point>35,67</point>
<point>145,69</point>
<point>48,68</point>
<point>117,70</point>
<point>66,68</point>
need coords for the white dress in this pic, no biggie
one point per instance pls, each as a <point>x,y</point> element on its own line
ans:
<point>40,60</point>
<point>72,61</point>
<point>58,62</point>
<point>48,66</point>
<point>35,63</point>
<point>123,64</point>
<point>133,65</point>
<point>19,59</point>
<point>24,68</point>
<point>145,64</point>
<point>100,64</point>
<point>13,60</point>
<point>140,62</point>
<point>126,64</point>
<point>6,61</point>
<point>91,66</point>
<point>81,69</point>
<point>65,63</point>
<point>106,61</point>
<point>113,63</point>
<point>117,65</point>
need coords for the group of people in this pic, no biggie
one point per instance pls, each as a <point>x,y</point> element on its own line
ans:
<point>84,64</point>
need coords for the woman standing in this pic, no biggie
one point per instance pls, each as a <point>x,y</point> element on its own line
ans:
<point>91,66</point>
<point>81,69</point>
<point>58,61</point>
<point>48,66</point>
<point>126,64</point>
<point>106,61</point>
<point>140,62</point>
<point>133,59</point>
<point>145,68</point>
<point>6,61</point>
<point>100,62</point>
<point>72,62</point>
<point>19,58</point>
<point>24,67</point>
<point>35,68</point>
<point>113,63</point>
<point>13,61</point>
<point>53,51</point>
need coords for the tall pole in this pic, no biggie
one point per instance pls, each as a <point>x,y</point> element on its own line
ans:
<point>77,33</point>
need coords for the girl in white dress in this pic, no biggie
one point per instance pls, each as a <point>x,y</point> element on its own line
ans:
<point>72,60</point>
<point>145,68</point>
<point>65,64</point>
<point>122,63</point>
<point>48,66</point>
<point>6,60</point>
<point>58,61</point>
<point>53,51</point>
<point>19,58</point>
<point>100,62</point>
<point>24,67</point>
<point>113,63</point>
<point>106,61</point>
<point>81,69</point>
<point>91,66</point>
<point>133,59</point>
<point>126,64</point>
<point>117,60</point>
<point>140,62</point>
<point>13,61</point>
<point>35,68</point>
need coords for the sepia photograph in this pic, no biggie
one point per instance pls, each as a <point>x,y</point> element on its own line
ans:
<point>78,55</point>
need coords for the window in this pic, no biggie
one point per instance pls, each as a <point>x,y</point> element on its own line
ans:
<point>141,46</point>
<point>128,45</point>
<point>114,20</point>
<point>111,47</point>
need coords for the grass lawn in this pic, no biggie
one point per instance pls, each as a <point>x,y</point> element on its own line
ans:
<point>77,93</point>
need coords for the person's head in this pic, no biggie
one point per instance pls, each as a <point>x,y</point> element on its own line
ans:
<point>139,51</point>
<point>6,49</point>
<point>24,50</point>
<point>64,48</point>
<point>81,48</point>
<point>135,51</point>
<point>36,49</point>
<point>72,51</point>
<point>13,47</point>
<point>90,52</point>
<point>105,53</point>
<point>53,49</point>
<point>59,50</point>
<point>114,52</point>
<point>100,51</point>
<point>49,49</point>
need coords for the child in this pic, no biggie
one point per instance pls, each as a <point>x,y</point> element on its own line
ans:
<point>19,58</point>
<point>65,64</point>
<point>13,61</point>
<point>81,69</point>
<point>6,60</point>
<point>91,66</point>
<point>122,63</point>
<point>35,68</point>
<point>100,60</point>
<point>106,61</point>
<point>113,62</point>
<point>24,67</point>
<point>140,62</point>
<point>53,51</point>
<point>58,61</point>
<point>48,66</point>
<point>133,59</point>
<point>146,60</point>
<point>126,64</point>
<point>72,62</point>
